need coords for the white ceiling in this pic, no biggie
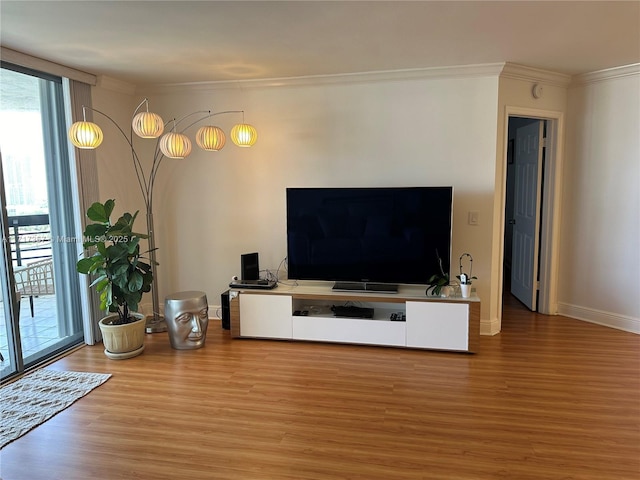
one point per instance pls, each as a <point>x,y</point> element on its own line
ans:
<point>159,42</point>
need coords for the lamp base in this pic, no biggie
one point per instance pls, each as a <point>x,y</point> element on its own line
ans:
<point>155,324</point>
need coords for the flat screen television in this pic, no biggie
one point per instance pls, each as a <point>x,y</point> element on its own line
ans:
<point>368,238</point>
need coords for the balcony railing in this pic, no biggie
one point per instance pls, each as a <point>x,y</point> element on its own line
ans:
<point>30,238</point>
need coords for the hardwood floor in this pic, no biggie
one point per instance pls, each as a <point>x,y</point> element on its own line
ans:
<point>548,398</point>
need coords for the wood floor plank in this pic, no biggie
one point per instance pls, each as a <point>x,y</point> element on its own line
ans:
<point>547,398</point>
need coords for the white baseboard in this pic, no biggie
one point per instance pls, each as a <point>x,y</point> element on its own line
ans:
<point>215,311</point>
<point>489,327</point>
<point>607,319</point>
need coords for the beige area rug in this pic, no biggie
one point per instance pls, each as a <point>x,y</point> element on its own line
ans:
<point>35,398</point>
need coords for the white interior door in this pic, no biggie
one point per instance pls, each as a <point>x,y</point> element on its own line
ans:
<point>525,242</point>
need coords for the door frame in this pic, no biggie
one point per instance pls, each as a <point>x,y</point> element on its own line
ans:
<point>551,205</point>
<point>9,295</point>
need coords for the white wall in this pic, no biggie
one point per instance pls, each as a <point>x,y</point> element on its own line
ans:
<point>600,249</point>
<point>362,130</point>
<point>212,207</point>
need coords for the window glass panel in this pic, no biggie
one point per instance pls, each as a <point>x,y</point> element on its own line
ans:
<point>37,182</point>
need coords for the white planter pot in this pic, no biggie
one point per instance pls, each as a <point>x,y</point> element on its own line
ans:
<point>123,341</point>
<point>465,290</point>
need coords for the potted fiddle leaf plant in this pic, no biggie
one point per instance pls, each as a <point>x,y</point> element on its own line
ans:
<point>438,282</point>
<point>466,278</point>
<point>121,276</point>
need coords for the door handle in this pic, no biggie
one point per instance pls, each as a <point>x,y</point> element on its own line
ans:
<point>512,221</point>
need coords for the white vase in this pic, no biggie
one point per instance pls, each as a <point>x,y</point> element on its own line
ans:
<point>465,289</point>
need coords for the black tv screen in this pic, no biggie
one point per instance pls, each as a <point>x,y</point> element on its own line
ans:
<point>379,235</point>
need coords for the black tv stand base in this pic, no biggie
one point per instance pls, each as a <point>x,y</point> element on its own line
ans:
<point>366,287</point>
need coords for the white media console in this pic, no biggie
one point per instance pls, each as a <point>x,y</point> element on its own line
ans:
<point>303,312</point>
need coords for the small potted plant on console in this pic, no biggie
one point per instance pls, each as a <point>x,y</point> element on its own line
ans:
<point>438,282</point>
<point>465,279</point>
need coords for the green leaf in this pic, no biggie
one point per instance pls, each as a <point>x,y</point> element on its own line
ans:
<point>102,249</point>
<point>133,245</point>
<point>139,235</point>
<point>100,283</point>
<point>135,282</point>
<point>94,233</point>
<point>121,281</point>
<point>84,265</point>
<point>120,269</point>
<point>123,226</point>
<point>106,298</point>
<point>109,206</point>
<point>133,305</point>
<point>117,252</point>
<point>133,299</point>
<point>100,213</point>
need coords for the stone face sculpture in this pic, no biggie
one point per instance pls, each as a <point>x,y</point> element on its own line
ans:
<point>187,318</point>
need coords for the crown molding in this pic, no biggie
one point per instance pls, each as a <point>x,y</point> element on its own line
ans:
<point>607,74</point>
<point>459,71</point>
<point>115,85</point>
<point>531,74</point>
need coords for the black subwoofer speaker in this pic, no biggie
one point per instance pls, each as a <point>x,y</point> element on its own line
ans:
<point>226,310</point>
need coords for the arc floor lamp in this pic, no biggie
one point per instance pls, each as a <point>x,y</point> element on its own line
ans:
<point>173,144</point>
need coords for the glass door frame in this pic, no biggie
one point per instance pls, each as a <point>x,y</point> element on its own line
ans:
<point>9,295</point>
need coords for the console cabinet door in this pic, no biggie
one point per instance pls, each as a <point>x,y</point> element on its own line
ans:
<point>266,316</point>
<point>438,325</point>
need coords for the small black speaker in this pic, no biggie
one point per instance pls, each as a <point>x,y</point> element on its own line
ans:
<point>249,266</point>
<point>226,310</point>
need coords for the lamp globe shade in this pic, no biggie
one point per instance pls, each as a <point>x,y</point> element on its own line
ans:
<point>244,135</point>
<point>175,145</point>
<point>86,135</point>
<point>210,138</point>
<point>147,125</point>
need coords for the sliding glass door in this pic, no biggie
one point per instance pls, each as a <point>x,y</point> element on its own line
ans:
<point>10,359</point>
<point>40,288</point>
